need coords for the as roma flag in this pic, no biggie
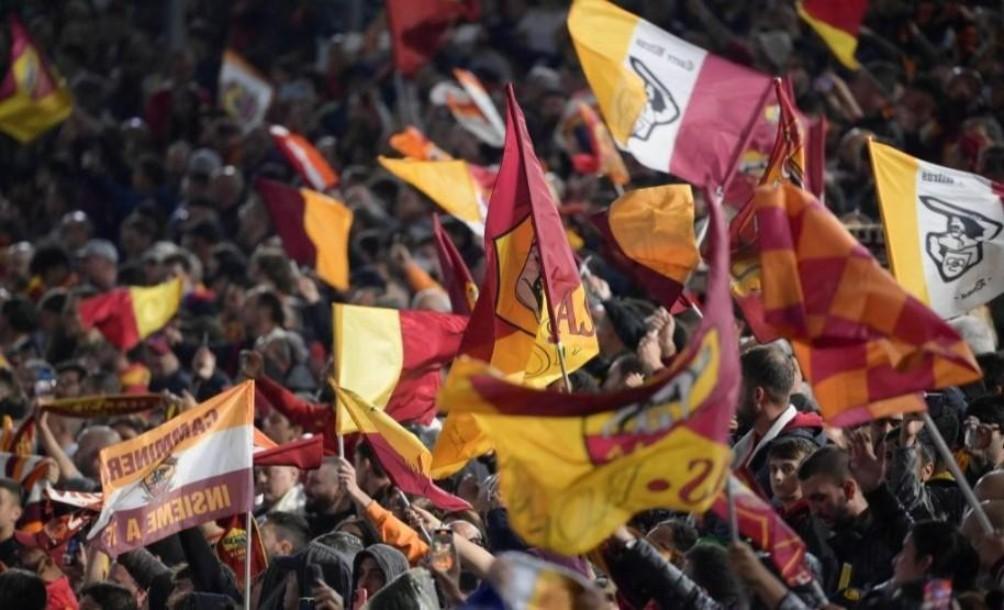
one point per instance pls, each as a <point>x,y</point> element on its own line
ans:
<point>417,28</point>
<point>532,299</point>
<point>866,345</point>
<point>456,276</point>
<point>574,467</point>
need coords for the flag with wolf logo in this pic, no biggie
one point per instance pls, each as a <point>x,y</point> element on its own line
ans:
<point>944,230</point>
<point>532,300</point>
<point>673,105</point>
<point>574,467</point>
<point>189,470</point>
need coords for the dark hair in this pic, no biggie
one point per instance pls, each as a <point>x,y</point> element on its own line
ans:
<point>54,301</point>
<point>12,487</point>
<point>771,368</point>
<point>988,409</point>
<point>20,314</point>
<point>685,535</point>
<point>790,448</point>
<point>709,568</point>
<point>951,554</point>
<point>48,257</point>
<point>291,527</point>
<point>270,301</point>
<point>151,167</point>
<point>992,365</point>
<point>365,451</point>
<point>110,596</point>
<point>830,460</point>
<point>23,590</point>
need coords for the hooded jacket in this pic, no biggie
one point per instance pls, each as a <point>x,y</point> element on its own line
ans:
<point>334,567</point>
<point>391,561</point>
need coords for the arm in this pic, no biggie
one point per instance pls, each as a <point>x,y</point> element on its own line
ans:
<point>208,575</point>
<point>395,532</point>
<point>761,581</point>
<point>311,417</point>
<point>67,469</point>
<point>868,466</point>
<point>501,537</point>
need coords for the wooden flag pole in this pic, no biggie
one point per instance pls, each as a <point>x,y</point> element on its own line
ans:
<point>248,552</point>
<point>960,478</point>
<point>341,445</point>
<point>564,368</point>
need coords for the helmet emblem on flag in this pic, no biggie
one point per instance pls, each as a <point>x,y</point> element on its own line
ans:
<point>959,247</point>
<point>660,107</point>
<point>158,481</point>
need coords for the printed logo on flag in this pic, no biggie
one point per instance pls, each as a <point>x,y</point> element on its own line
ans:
<point>158,481</point>
<point>660,107</point>
<point>959,247</point>
<point>639,425</point>
<point>521,289</point>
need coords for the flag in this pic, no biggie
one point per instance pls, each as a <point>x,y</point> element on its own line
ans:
<point>33,97</point>
<point>471,106</point>
<point>456,276</point>
<point>837,22</point>
<point>413,144</point>
<point>767,531</point>
<point>672,105</point>
<point>649,233</point>
<point>304,453</point>
<point>189,470</point>
<point>450,184</point>
<point>594,151</point>
<point>574,467</point>
<point>392,358</point>
<point>30,471</point>
<point>20,441</point>
<point>532,297</point>
<point>943,230</point>
<point>232,546</point>
<point>54,535</point>
<point>401,455</point>
<point>418,29</point>
<point>860,338</point>
<point>305,159</point>
<point>103,405</point>
<point>90,500</point>
<point>126,316</point>
<point>314,229</point>
<point>244,93</point>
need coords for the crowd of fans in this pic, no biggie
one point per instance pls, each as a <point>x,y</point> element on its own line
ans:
<point>148,180</point>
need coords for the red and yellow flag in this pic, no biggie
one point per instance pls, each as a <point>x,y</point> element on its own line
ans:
<point>126,316</point>
<point>590,145</point>
<point>417,29</point>
<point>413,144</point>
<point>532,298</point>
<point>574,467</point>
<point>767,530</point>
<point>33,97</point>
<point>837,22</point>
<point>649,234</point>
<point>232,547</point>
<point>403,457</point>
<point>392,358</point>
<point>456,278</point>
<point>314,229</point>
<point>859,337</point>
<point>308,162</point>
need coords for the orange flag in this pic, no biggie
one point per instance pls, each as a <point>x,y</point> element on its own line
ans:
<point>865,344</point>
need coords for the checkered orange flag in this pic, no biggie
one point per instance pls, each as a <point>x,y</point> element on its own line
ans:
<point>865,344</point>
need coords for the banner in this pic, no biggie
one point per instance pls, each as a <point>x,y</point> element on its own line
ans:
<point>189,470</point>
<point>244,93</point>
<point>104,405</point>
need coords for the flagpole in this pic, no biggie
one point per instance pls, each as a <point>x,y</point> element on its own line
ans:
<point>745,138</point>
<point>341,445</point>
<point>960,478</point>
<point>248,553</point>
<point>564,368</point>
<point>731,505</point>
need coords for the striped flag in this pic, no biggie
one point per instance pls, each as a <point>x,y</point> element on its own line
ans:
<point>314,229</point>
<point>860,338</point>
<point>392,358</point>
<point>401,455</point>
<point>189,470</point>
<point>126,316</point>
<point>305,159</point>
<point>649,233</point>
<point>413,144</point>
<point>944,230</point>
<point>471,106</point>
<point>33,97</point>
<point>674,106</point>
<point>30,471</point>
<point>837,22</point>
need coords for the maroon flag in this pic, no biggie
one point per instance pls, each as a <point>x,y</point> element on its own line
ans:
<point>456,276</point>
<point>305,454</point>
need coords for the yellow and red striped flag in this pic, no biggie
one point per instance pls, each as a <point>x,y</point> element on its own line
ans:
<point>33,97</point>
<point>866,345</point>
<point>126,316</point>
<point>837,22</point>
<point>308,162</point>
<point>192,469</point>
<point>314,229</point>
